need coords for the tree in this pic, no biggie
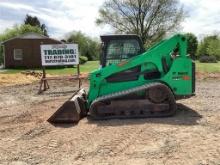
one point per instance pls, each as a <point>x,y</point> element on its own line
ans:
<point>150,19</point>
<point>87,46</point>
<point>213,48</point>
<point>15,31</point>
<point>210,45</point>
<point>34,21</point>
<point>192,44</point>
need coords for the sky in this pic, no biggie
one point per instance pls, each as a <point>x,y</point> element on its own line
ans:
<point>64,16</point>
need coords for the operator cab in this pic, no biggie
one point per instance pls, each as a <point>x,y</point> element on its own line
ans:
<point>116,48</point>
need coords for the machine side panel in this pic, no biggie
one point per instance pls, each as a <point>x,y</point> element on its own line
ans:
<point>99,86</point>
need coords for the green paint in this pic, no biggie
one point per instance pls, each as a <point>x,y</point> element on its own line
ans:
<point>148,60</point>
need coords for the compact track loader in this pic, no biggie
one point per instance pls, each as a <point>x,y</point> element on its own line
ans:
<point>132,82</point>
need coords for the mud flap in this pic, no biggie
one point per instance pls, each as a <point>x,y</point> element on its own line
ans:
<point>72,110</point>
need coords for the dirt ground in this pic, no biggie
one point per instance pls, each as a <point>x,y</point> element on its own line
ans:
<point>192,136</point>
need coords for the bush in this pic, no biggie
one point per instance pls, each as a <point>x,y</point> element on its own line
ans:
<point>208,59</point>
<point>83,59</point>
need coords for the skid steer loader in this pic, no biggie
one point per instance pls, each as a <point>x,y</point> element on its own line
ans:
<point>132,82</point>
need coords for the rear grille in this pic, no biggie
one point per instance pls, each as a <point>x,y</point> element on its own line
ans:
<point>193,77</point>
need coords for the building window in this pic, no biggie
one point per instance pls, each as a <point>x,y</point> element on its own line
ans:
<point>18,54</point>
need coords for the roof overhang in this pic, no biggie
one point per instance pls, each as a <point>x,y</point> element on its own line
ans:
<point>30,35</point>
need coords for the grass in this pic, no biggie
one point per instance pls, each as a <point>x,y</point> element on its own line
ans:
<point>85,68</point>
<point>92,65</point>
<point>207,67</point>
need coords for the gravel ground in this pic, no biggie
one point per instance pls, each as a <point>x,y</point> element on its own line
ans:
<point>192,136</point>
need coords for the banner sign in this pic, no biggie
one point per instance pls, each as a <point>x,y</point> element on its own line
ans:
<point>59,54</point>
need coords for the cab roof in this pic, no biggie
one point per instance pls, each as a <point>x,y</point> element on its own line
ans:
<point>105,38</point>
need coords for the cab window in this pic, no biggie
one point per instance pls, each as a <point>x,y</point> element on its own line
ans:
<point>119,50</point>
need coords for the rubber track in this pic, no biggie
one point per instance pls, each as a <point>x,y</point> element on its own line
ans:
<point>94,115</point>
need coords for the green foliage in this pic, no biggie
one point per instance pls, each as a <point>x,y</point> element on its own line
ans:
<point>34,21</point>
<point>192,44</point>
<point>87,46</point>
<point>202,49</point>
<point>18,30</point>
<point>15,31</point>
<point>83,59</point>
<point>149,19</point>
<point>210,46</point>
<point>207,59</point>
<point>214,48</point>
